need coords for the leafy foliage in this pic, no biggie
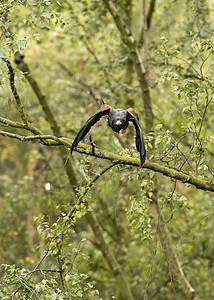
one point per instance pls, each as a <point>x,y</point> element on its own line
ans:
<point>49,249</point>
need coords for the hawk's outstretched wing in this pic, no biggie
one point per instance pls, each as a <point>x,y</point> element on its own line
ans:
<point>104,110</point>
<point>133,117</point>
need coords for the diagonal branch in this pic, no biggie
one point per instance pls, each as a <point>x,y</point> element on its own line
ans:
<point>131,43</point>
<point>88,187</point>
<point>169,172</point>
<point>19,59</point>
<point>150,13</point>
<point>83,148</point>
<point>23,66</point>
<point>170,254</point>
<point>15,92</point>
<point>147,19</point>
<point>14,124</point>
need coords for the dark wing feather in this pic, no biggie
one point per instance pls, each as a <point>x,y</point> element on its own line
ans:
<point>104,110</point>
<point>133,117</point>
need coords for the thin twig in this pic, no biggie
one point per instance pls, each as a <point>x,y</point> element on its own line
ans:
<point>64,285</point>
<point>88,187</point>
<point>15,92</point>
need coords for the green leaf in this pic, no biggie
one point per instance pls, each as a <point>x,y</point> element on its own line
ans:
<point>5,24</point>
<point>2,52</point>
<point>44,24</point>
<point>22,44</point>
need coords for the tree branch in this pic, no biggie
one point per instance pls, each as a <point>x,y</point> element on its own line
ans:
<point>83,148</point>
<point>150,13</point>
<point>92,182</point>
<point>15,92</point>
<point>19,60</point>
<point>145,40</point>
<point>171,255</point>
<point>147,19</point>
<point>131,43</point>
<point>28,127</point>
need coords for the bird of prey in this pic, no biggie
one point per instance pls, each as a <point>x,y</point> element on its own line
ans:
<point>118,119</point>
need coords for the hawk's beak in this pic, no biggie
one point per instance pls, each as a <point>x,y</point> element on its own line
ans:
<point>118,122</point>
